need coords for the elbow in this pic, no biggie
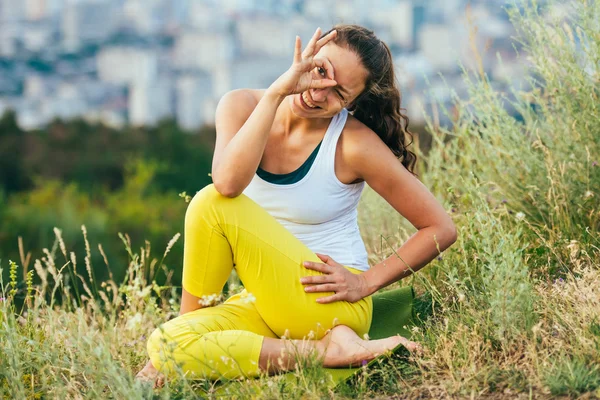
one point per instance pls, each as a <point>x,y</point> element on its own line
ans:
<point>227,189</point>
<point>448,235</point>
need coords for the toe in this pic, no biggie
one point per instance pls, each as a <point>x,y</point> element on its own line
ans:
<point>410,345</point>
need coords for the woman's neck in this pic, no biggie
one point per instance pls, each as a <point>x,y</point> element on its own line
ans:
<point>292,123</point>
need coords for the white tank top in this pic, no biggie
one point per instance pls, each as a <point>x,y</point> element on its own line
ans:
<point>318,209</point>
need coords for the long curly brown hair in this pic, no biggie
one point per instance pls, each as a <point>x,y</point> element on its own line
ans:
<point>378,106</point>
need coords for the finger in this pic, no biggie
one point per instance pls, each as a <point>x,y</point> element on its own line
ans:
<point>322,83</point>
<point>329,287</point>
<point>298,50</point>
<point>331,299</point>
<point>323,257</point>
<point>311,280</point>
<point>328,260</point>
<point>310,47</point>
<point>317,267</point>
<point>324,40</point>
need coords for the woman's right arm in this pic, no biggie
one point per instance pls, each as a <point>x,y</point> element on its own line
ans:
<point>243,127</point>
<point>243,124</point>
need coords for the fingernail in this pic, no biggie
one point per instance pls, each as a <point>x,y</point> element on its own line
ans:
<point>306,263</point>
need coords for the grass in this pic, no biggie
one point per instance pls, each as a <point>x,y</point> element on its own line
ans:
<point>511,310</point>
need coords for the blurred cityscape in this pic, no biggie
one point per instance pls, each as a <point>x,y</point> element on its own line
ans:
<point>139,61</point>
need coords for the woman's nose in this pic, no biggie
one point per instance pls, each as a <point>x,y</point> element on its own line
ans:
<point>319,95</point>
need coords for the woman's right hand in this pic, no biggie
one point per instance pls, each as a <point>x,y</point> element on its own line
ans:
<point>300,77</point>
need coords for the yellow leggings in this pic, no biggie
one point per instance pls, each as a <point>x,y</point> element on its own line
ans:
<point>225,341</point>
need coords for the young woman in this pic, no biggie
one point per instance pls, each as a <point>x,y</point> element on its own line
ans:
<point>289,166</point>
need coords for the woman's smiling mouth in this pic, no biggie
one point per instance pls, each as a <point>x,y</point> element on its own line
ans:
<point>306,101</point>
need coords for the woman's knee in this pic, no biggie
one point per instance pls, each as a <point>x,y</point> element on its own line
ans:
<point>207,199</point>
<point>157,347</point>
<point>163,347</point>
<point>203,201</point>
<point>208,194</point>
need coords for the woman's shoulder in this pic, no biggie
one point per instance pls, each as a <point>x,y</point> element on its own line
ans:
<point>358,146</point>
<point>357,135</point>
<point>242,97</point>
<point>237,105</point>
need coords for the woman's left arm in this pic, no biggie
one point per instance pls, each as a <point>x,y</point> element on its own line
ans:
<point>371,160</point>
<point>377,165</point>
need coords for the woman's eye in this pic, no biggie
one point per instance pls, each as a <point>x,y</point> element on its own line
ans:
<point>321,71</point>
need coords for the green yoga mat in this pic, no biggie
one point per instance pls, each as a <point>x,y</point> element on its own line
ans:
<point>393,314</point>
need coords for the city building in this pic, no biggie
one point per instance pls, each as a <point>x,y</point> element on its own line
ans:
<point>137,61</point>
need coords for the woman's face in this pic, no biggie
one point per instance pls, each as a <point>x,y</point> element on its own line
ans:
<point>342,65</point>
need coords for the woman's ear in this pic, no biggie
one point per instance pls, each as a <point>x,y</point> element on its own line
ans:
<point>352,106</point>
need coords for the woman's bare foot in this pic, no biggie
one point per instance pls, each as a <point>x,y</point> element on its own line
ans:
<point>343,347</point>
<point>151,375</point>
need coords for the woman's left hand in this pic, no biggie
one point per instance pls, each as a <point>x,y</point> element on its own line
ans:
<point>346,285</point>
